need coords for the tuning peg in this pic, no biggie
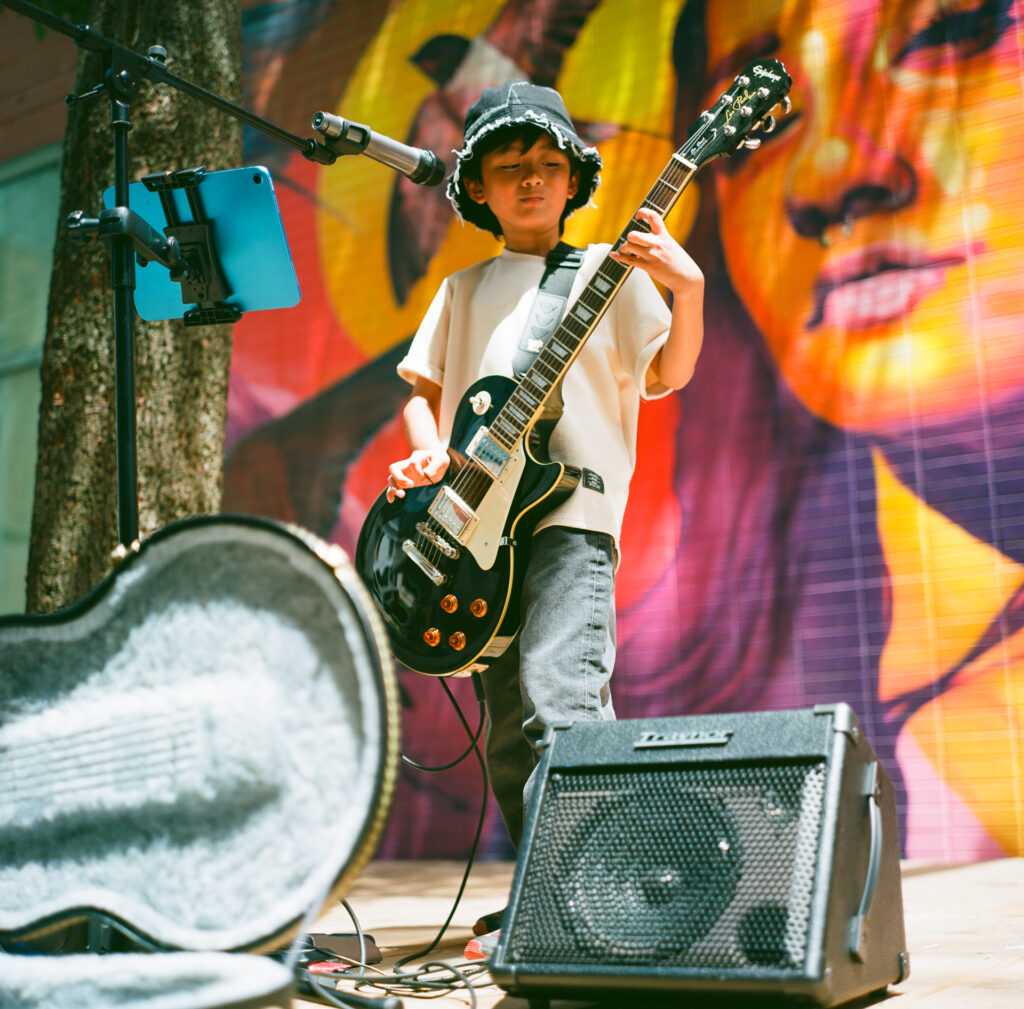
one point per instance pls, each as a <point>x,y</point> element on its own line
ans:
<point>768,124</point>
<point>751,143</point>
<point>786,105</point>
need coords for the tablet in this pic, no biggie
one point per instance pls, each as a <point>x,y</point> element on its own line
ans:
<point>247,237</point>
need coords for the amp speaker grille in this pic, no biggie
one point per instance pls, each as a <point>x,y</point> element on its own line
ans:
<point>697,867</point>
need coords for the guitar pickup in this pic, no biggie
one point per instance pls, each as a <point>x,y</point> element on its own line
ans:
<point>488,453</point>
<point>453,513</point>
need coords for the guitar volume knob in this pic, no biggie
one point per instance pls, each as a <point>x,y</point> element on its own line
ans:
<point>432,636</point>
<point>478,607</point>
<point>449,604</point>
<point>457,641</point>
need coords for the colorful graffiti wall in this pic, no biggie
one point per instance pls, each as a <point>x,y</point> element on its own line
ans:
<point>833,509</point>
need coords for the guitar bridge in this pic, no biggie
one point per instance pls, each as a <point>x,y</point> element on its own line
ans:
<point>428,533</point>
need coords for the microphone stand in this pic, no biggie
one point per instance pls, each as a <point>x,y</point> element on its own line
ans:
<point>124,232</point>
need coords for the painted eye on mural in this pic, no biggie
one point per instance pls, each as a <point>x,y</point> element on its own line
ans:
<point>966,32</point>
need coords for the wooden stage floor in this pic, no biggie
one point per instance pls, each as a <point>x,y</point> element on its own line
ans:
<point>965,930</point>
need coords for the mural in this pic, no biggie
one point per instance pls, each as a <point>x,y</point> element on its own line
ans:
<point>833,509</point>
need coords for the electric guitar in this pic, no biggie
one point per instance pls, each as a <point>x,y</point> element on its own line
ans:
<point>445,563</point>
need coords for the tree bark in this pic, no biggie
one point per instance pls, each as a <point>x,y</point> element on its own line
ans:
<point>181,373</point>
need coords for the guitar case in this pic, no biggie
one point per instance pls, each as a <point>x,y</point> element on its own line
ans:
<point>144,981</point>
<point>202,752</point>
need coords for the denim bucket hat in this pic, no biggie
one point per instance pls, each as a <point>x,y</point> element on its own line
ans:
<point>518,103</point>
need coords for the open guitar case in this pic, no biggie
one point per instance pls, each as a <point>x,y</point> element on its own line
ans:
<point>200,753</point>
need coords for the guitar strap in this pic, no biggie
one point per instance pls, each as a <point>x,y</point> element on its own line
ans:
<point>560,266</point>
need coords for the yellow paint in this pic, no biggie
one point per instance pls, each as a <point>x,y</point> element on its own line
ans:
<point>609,74</point>
<point>946,589</point>
<point>606,78</point>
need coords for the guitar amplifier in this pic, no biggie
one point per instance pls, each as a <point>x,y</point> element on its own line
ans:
<point>739,854</point>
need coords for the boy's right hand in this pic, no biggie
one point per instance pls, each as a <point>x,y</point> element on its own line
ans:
<point>424,466</point>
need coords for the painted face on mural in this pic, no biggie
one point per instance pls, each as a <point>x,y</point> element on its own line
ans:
<point>877,237</point>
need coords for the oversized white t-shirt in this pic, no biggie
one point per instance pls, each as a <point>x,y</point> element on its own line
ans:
<point>473,328</point>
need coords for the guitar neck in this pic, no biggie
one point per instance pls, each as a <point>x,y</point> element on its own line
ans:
<point>542,379</point>
<point>718,132</point>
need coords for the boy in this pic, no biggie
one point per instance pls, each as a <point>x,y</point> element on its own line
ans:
<point>521,172</point>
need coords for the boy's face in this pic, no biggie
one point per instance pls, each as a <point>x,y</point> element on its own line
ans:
<point>526,191</point>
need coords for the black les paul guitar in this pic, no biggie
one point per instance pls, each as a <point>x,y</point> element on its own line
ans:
<point>445,563</point>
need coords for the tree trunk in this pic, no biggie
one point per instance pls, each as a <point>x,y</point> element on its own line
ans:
<point>181,374</point>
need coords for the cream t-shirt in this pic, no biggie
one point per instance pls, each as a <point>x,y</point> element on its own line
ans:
<point>473,328</point>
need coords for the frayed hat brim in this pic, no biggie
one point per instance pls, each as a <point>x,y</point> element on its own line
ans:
<point>518,103</point>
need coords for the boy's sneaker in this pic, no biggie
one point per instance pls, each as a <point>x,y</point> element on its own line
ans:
<point>481,947</point>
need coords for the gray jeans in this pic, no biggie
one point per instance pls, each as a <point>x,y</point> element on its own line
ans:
<point>558,668</point>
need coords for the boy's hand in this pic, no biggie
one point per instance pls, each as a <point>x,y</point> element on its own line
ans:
<point>659,254</point>
<point>424,466</point>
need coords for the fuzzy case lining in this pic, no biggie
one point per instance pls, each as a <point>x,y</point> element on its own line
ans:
<point>198,753</point>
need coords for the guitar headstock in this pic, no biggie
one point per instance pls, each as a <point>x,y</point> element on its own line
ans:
<point>741,110</point>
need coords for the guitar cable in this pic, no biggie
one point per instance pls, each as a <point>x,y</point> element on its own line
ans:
<point>434,977</point>
<point>474,737</point>
<point>471,858</point>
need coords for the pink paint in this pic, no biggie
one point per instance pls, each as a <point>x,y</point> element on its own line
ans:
<point>881,298</point>
<point>940,826</point>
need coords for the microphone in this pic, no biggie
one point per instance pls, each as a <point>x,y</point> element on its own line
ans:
<point>421,166</point>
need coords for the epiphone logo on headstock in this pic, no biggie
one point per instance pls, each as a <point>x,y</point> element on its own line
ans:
<point>658,740</point>
<point>760,71</point>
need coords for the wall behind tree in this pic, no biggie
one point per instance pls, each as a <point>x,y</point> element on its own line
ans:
<point>35,75</point>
